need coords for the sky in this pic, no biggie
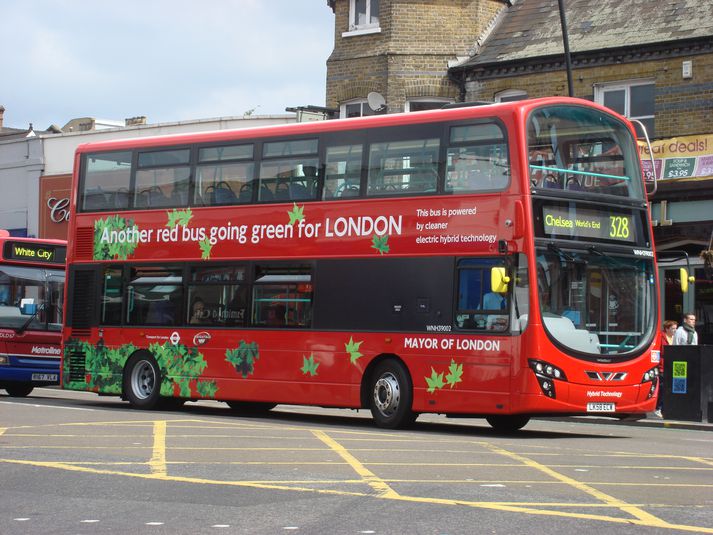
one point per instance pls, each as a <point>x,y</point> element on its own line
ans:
<point>170,60</point>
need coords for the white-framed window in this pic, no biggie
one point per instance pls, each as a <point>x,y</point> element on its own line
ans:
<point>426,103</point>
<point>510,95</point>
<point>356,108</point>
<point>363,17</point>
<point>633,99</point>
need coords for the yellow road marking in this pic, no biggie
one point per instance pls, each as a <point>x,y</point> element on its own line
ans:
<point>375,482</point>
<point>413,499</point>
<point>381,485</point>
<point>158,458</point>
<point>642,515</point>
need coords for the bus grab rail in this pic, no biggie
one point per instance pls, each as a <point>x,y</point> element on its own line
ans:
<point>576,172</point>
<point>651,156</point>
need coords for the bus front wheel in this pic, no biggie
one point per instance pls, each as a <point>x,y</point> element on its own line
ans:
<point>508,423</point>
<point>391,396</point>
<point>142,382</point>
<point>19,391</point>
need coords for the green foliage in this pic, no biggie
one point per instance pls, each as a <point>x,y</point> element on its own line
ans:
<point>103,366</point>
<point>205,248</point>
<point>206,389</point>
<point>309,365</point>
<point>352,348</point>
<point>380,243</point>
<point>297,213</point>
<point>455,375</point>
<point>244,357</point>
<point>179,217</point>
<point>179,365</point>
<point>112,251</point>
<point>435,381</point>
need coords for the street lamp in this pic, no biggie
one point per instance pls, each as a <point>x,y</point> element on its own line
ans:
<point>565,39</point>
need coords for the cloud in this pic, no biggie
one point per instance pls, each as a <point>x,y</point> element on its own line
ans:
<point>169,60</point>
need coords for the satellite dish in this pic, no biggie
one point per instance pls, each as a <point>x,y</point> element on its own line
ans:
<point>376,101</point>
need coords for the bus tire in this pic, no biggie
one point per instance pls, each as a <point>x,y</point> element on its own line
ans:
<point>19,390</point>
<point>142,382</point>
<point>251,407</point>
<point>391,395</point>
<point>508,423</point>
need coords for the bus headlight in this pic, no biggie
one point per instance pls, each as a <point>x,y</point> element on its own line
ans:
<point>546,374</point>
<point>4,360</point>
<point>651,376</point>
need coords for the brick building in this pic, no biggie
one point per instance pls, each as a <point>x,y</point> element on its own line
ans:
<point>646,59</point>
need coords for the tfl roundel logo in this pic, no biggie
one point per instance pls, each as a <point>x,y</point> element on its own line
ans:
<point>201,338</point>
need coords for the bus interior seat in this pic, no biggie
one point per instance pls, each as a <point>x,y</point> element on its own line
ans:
<point>161,312</point>
<point>95,199</point>
<point>221,193</point>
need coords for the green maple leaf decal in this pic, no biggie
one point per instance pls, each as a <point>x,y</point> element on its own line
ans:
<point>380,243</point>
<point>309,365</point>
<point>455,375</point>
<point>297,213</point>
<point>244,357</point>
<point>435,381</point>
<point>205,248</point>
<point>206,389</point>
<point>112,251</point>
<point>352,348</point>
<point>179,217</point>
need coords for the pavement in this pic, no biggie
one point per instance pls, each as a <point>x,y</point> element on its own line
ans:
<point>648,420</point>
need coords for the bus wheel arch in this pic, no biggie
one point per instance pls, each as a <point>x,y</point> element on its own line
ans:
<point>387,390</point>
<point>142,381</point>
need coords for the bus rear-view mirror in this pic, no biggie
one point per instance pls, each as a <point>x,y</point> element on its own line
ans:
<point>499,280</point>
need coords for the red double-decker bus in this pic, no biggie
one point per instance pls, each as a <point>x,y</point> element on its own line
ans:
<point>492,261</point>
<point>31,297</point>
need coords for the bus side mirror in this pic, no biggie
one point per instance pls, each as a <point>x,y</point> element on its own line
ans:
<point>685,279</point>
<point>499,280</point>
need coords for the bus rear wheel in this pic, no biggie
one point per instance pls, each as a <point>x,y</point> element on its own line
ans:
<point>19,391</point>
<point>508,423</point>
<point>391,395</point>
<point>142,382</point>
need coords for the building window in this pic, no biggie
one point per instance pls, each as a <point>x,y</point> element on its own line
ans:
<point>510,95</point>
<point>635,100</point>
<point>363,17</point>
<point>357,108</point>
<point>426,103</point>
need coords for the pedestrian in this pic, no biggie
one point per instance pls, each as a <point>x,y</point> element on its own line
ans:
<point>669,329</point>
<point>686,334</point>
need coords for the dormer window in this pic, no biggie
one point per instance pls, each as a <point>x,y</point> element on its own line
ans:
<point>363,17</point>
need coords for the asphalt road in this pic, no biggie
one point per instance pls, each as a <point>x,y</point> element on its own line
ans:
<point>73,462</point>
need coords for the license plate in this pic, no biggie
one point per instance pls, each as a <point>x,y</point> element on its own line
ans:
<point>601,407</point>
<point>45,377</point>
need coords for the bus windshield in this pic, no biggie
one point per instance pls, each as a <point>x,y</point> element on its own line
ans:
<point>39,290</point>
<point>582,150</point>
<point>596,303</point>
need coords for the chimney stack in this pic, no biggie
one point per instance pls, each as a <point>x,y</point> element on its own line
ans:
<point>2,113</point>
<point>135,121</point>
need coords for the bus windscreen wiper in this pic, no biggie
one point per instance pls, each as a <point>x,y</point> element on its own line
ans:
<point>552,247</point>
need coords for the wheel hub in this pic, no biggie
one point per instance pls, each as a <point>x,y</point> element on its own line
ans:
<point>387,394</point>
<point>143,379</point>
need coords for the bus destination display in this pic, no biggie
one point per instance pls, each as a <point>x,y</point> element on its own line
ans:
<point>32,252</point>
<point>586,223</point>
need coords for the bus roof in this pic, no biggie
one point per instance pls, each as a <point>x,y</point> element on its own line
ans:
<point>337,125</point>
